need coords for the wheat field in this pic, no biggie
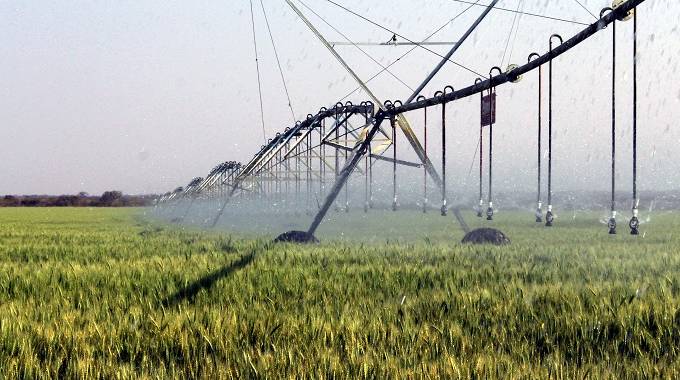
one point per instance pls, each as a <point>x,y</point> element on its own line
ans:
<point>111,293</point>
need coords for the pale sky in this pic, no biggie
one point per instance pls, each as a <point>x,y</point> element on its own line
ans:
<point>141,96</point>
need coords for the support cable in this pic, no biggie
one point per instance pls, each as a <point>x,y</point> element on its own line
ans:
<point>526,13</point>
<point>257,67</point>
<point>401,36</point>
<point>512,28</point>
<point>278,62</point>
<point>410,50</point>
<point>356,46</point>
<point>472,165</point>
<point>474,158</point>
<point>514,39</point>
<point>586,9</point>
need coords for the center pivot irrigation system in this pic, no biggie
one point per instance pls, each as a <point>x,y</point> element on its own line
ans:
<point>315,158</point>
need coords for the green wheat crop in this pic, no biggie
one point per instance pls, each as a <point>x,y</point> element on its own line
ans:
<point>108,293</point>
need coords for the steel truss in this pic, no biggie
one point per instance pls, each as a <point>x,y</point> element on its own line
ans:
<point>318,155</point>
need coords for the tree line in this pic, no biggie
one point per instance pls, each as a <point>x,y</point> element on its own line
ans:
<point>107,199</point>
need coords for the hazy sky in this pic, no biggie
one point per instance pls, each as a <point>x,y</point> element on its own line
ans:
<point>142,96</point>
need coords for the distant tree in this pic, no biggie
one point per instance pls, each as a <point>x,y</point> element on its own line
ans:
<point>110,198</point>
<point>66,201</point>
<point>107,199</point>
<point>10,201</point>
<point>30,202</point>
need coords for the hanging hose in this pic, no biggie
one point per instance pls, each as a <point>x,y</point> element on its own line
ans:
<point>276,177</point>
<point>492,103</point>
<point>308,159</point>
<point>444,209</point>
<point>367,160</point>
<point>611,224</point>
<point>322,155</point>
<point>370,166</point>
<point>286,170</point>
<point>367,163</point>
<point>338,106</point>
<point>539,205</point>
<point>634,223</point>
<point>481,151</point>
<point>421,97</point>
<point>489,210</point>
<point>549,217</point>
<point>346,118</point>
<point>297,174</point>
<point>393,123</point>
<point>612,219</point>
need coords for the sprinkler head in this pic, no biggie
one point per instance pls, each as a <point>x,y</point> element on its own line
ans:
<point>634,225</point>
<point>489,213</point>
<point>549,217</point>
<point>539,213</point>
<point>612,225</point>
<point>394,204</point>
<point>346,207</point>
<point>444,209</point>
<point>480,208</point>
